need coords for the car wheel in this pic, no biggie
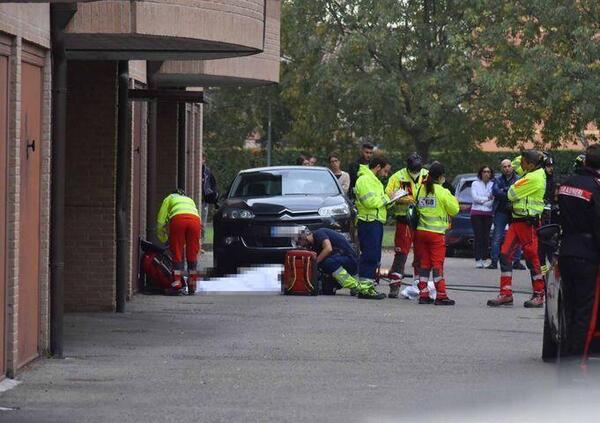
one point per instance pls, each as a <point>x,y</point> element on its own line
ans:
<point>450,252</point>
<point>549,346</point>
<point>224,265</point>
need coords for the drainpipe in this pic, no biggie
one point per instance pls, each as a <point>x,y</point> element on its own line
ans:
<point>123,170</point>
<point>181,146</point>
<point>60,14</point>
<point>151,200</point>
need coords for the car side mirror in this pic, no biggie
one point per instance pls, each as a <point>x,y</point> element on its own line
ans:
<point>549,235</point>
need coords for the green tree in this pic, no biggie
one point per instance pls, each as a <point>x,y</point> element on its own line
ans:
<point>427,75</point>
<point>398,72</point>
<point>542,70</point>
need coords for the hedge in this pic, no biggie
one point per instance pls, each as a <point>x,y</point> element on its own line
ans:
<point>226,162</point>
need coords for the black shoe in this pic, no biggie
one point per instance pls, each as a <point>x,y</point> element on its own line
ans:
<point>444,302</point>
<point>536,301</point>
<point>492,265</point>
<point>501,301</point>
<point>371,296</point>
<point>394,291</point>
<point>426,300</point>
<point>517,265</point>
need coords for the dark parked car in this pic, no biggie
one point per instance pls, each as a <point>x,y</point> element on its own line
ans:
<point>266,207</point>
<point>556,336</point>
<point>460,235</point>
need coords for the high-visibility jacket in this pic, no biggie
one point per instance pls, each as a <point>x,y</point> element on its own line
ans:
<point>402,179</point>
<point>371,199</point>
<point>527,194</point>
<point>435,209</point>
<point>516,165</point>
<point>173,205</point>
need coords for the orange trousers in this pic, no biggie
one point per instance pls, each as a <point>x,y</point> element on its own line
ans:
<point>184,234</point>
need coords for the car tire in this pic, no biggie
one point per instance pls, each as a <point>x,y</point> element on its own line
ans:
<point>224,266</point>
<point>450,252</point>
<point>550,348</point>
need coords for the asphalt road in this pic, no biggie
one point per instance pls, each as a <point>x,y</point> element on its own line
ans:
<point>233,358</point>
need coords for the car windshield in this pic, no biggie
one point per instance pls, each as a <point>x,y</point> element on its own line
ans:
<point>464,195</point>
<point>284,182</point>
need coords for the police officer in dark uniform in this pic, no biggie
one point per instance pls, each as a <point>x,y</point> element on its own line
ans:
<point>579,257</point>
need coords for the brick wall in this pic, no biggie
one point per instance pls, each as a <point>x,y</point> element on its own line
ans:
<point>13,208</point>
<point>90,245</point>
<point>137,196</point>
<point>45,175</point>
<point>166,146</point>
<point>198,154</point>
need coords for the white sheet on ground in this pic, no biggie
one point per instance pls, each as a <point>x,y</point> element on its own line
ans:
<point>412,292</point>
<point>256,280</point>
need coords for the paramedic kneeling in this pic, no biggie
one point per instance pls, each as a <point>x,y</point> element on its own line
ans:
<point>336,257</point>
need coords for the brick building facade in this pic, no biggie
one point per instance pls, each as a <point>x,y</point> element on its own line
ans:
<point>178,44</point>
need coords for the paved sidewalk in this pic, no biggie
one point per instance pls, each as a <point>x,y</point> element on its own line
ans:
<point>232,358</point>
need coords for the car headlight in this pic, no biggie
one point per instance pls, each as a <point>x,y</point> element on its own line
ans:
<point>339,210</point>
<point>237,214</point>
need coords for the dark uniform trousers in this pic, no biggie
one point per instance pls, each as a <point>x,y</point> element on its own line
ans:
<point>579,282</point>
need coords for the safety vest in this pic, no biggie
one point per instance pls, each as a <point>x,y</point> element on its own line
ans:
<point>171,206</point>
<point>371,199</point>
<point>402,179</point>
<point>435,209</point>
<point>527,194</point>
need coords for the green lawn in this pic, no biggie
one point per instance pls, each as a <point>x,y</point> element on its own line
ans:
<point>208,234</point>
<point>388,235</point>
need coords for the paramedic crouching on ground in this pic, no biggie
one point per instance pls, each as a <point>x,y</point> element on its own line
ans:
<point>179,222</point>
<point>336,257</point>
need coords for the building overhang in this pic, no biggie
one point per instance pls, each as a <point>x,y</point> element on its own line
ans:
<point>259,69</point>
<point>165,30</point>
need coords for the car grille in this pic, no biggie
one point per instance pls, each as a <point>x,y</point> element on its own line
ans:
<point>267,242</point>
<point>259,235</point>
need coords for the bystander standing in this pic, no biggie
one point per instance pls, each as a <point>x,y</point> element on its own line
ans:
<point>342,177</point>
<point>366,153</point>
<point>210,193</point>
<point>482,212</point>
<point>302,160</point>
<point>502,210</point>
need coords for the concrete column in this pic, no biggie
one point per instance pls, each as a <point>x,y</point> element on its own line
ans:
<point>166,145</point>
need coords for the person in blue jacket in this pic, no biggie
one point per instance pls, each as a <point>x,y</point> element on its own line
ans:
<point>502,183</point>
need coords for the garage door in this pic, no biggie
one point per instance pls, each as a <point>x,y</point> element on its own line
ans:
<point>29,249</point>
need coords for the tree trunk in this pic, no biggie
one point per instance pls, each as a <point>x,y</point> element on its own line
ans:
<point>422,147</point>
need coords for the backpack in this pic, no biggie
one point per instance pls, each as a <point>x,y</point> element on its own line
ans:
<point>412,213</point>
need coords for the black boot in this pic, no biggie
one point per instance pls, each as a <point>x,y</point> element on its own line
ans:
<point>492,265</point>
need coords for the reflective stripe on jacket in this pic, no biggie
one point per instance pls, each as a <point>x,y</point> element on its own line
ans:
<point>173,205</point>
<point>435,208</point>
<point>370,197</point>
<point>402,179</point>
<point>527,194</point>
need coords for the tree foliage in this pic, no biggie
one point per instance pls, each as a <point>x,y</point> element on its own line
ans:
<point>425,75</point>
<point>542,69</point>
